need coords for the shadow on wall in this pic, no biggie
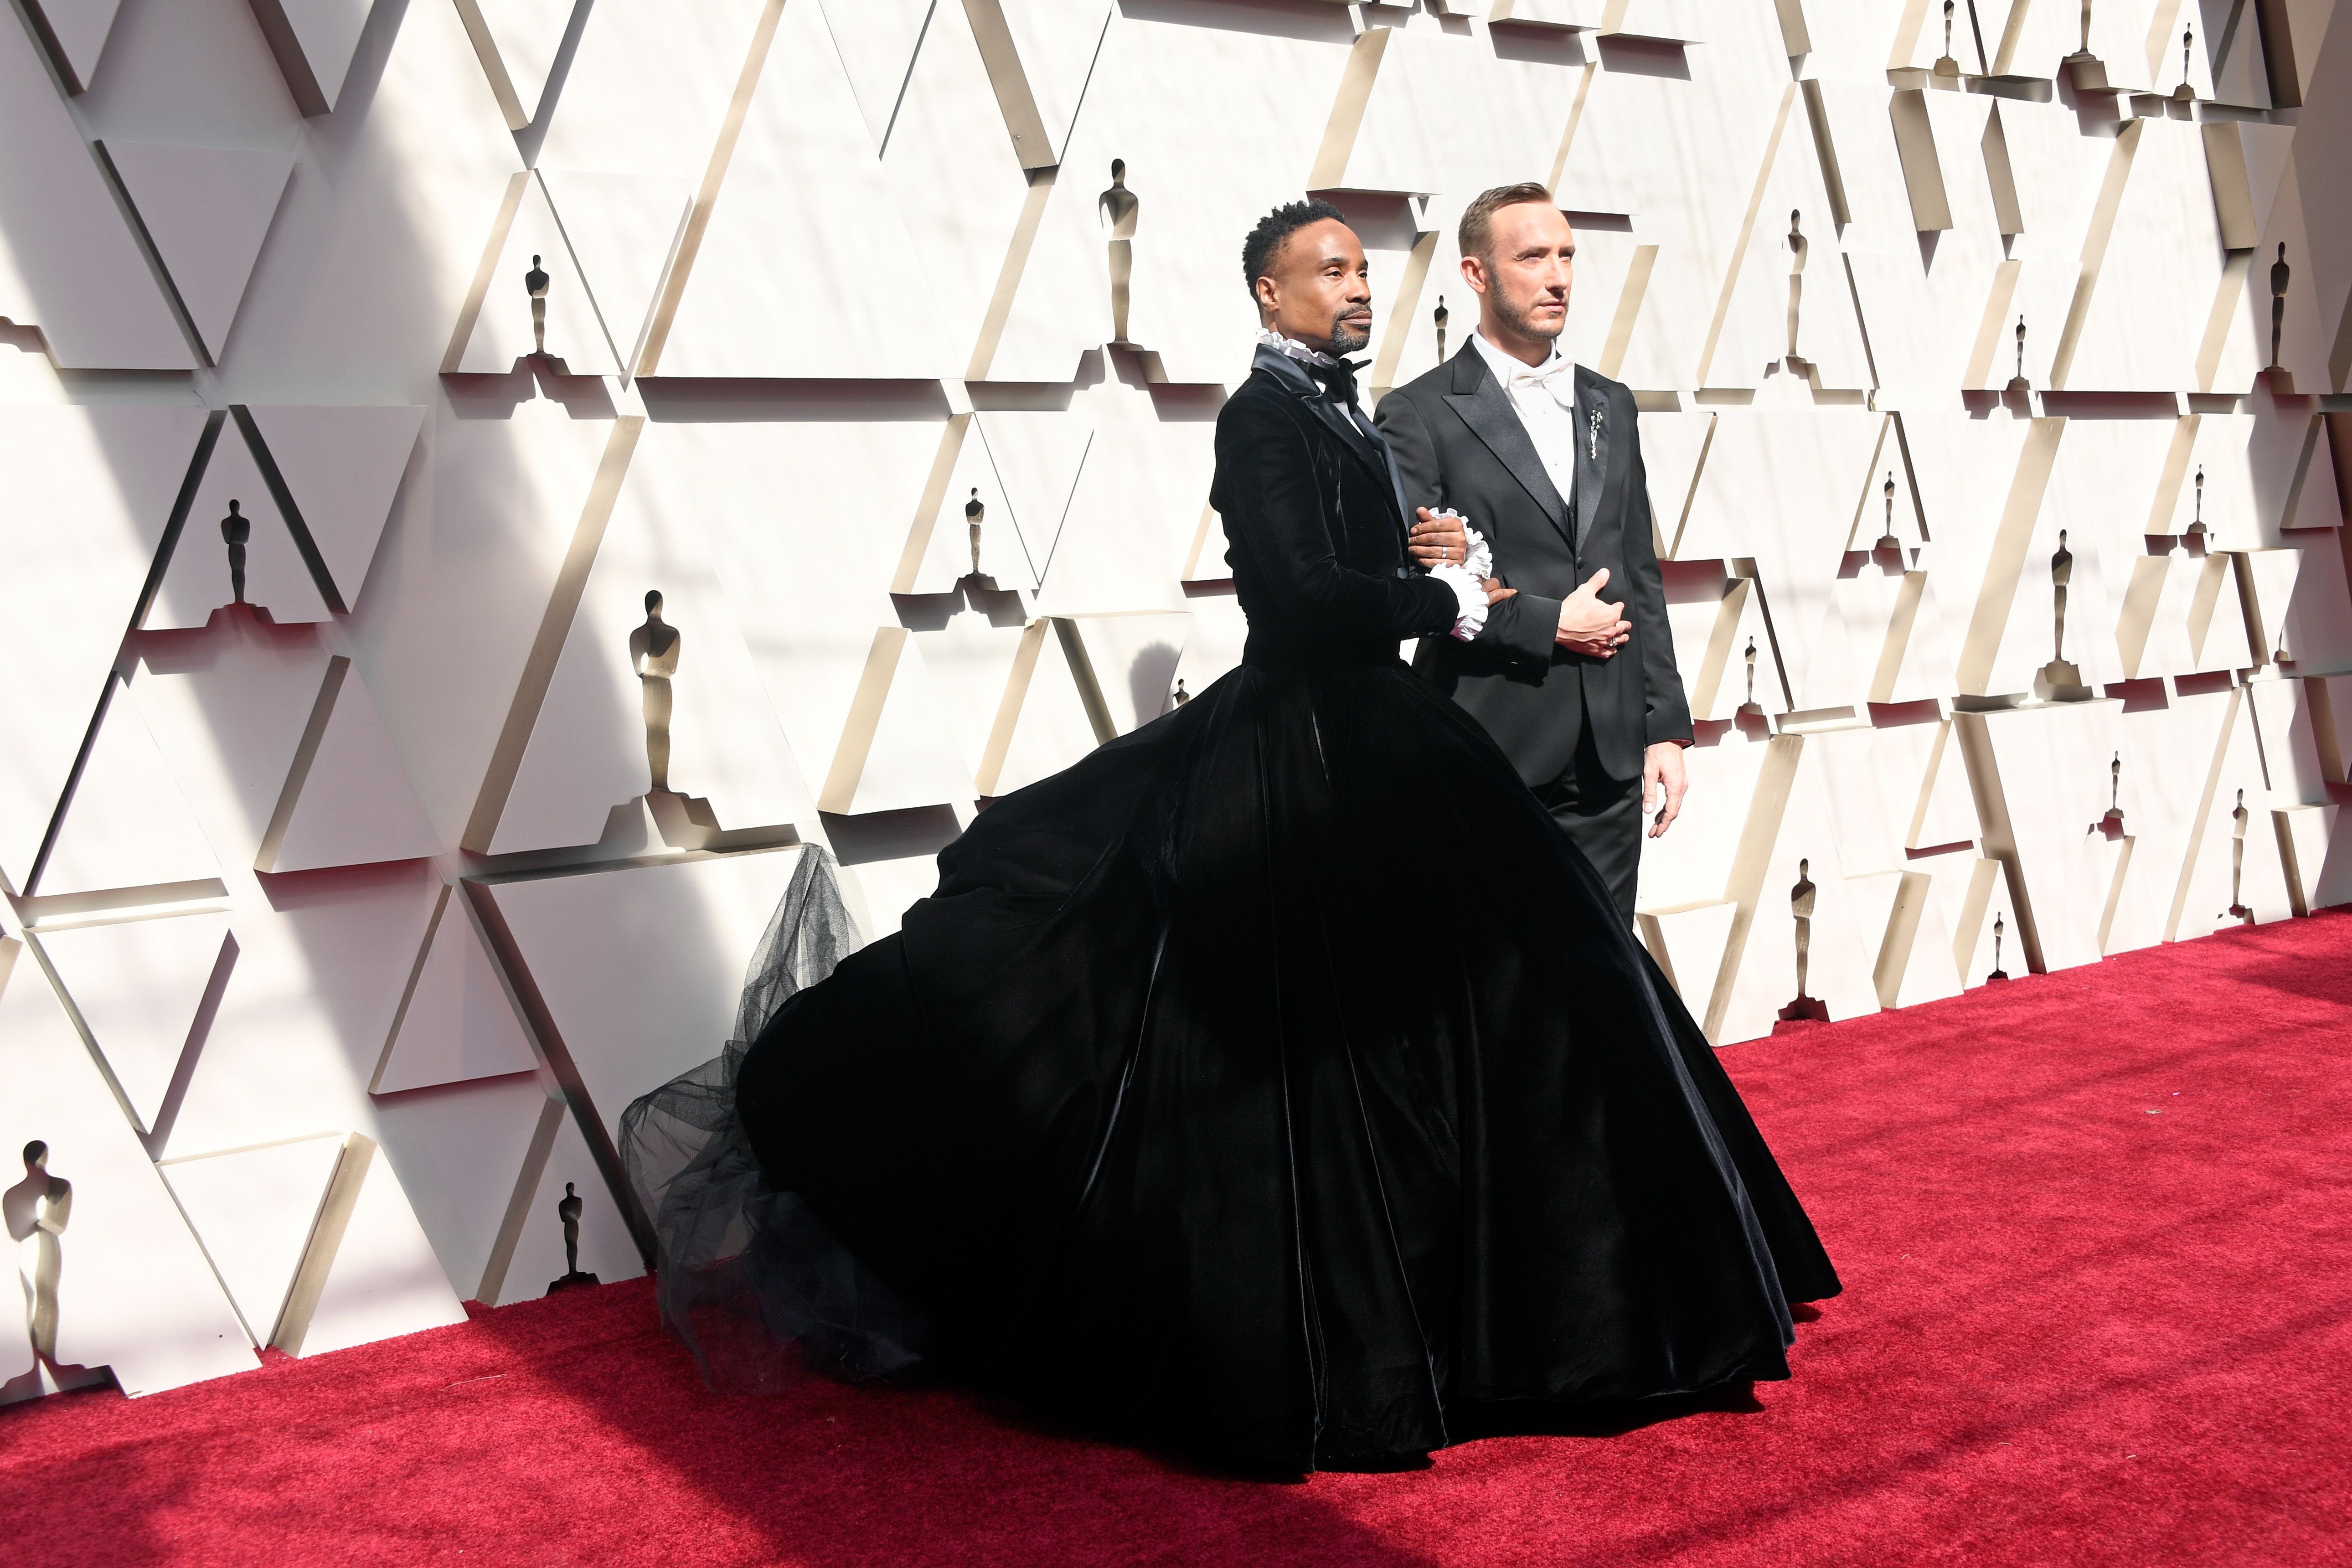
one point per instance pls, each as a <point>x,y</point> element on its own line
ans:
<point>1150,679</point>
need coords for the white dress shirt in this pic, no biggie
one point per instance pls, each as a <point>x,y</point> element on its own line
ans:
<point>1544,397</point>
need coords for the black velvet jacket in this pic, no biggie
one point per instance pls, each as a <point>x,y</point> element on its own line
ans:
<point>1313,519</point>
<point>1459,443</point>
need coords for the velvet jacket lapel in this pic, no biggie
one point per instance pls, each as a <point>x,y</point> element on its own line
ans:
<point>1293,379</point>
<point>1484,406</point>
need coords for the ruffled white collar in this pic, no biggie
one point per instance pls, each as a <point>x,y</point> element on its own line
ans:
<point>1292,348</point>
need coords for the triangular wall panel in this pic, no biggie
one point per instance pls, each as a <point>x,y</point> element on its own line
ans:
<point>313,41</point>
<point>458,1022</point>
<point>207,209</point>
<point>517,40</point>
<point>198,581</point>
<point>129,824</point>
<point>343,467</point>
<point>137,1296</point>
<point>78,555</point>
<point>68,264</point>
<point>140,986</point>
<point>503,330</point>
<point>254,1210</point>
<point>348,801</point>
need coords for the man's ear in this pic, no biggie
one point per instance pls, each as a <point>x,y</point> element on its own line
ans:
<point>1266,295</point>
<point>1473,272</point>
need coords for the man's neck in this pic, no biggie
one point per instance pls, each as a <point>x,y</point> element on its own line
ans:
<point>1525,350</point>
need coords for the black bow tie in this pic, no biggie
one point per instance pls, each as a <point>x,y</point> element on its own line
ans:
<point>1337,380</point>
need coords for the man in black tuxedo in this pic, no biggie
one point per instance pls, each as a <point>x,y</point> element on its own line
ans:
<point>1542,458</point>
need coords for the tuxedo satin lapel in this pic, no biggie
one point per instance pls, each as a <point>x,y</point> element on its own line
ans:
<point>1488,412</point>
<point>1592,467</point>
<point>1334,418</point>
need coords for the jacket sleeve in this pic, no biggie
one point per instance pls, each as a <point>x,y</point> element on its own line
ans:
<point>1267,494</point>
<point>1666,708</point>
<point>1520,630</point>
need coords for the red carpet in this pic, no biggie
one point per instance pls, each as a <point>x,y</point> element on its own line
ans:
<point>2097,1247</point>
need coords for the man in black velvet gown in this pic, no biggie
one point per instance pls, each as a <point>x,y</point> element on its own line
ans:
<point>1278,1080</point>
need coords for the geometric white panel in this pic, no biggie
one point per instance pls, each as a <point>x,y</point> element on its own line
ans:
<point>1058,42</point>
<point>1051,727</point>
<point>502,333</point>
<point>606,1248</point>
<point>314,41</point>
<point>67,263</point>
<point>384,1279</point>
<point>458,1024</point>
<point>523,36</point>
<point>587,752</point>
<point>813,636</point>
<point>341,467</point>
<point>1840,951</point>
<point>1135,510</point>
<point>89,493</point>
<point>228,708</point>
<point>138,985</point>
<point>877,40</point>
<point>622,230</point>
<point>129,824</point>
<point>354,806</point>
<point>1169,102</point>
<point>641,968</point>
<point>253,1209</point>
<point>1035,458</point>
<point>649,87</point>
<point>793,273</point>
<point>318,981</point>
<point>134,1292</point>
<point>198,580</point>
<point>79,28</point>
<point>207,209</point>
<point>460,1152</point>
<point>1134,659</point>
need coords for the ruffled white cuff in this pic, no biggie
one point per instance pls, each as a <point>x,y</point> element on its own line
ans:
<point>1469,598</point>
<point>1480,562</point>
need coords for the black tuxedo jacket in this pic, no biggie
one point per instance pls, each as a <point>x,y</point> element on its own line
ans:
<point>1313,509</point>
<point>1459,443</point>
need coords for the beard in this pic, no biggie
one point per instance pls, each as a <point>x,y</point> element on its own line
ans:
<point>1518,321</point>
<point>1347,339</point>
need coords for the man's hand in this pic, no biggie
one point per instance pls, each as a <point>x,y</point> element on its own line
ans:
<point>1496,592</point>
<point>1664,784</point>
<point>1589,625</point>
<point>1437,539</point>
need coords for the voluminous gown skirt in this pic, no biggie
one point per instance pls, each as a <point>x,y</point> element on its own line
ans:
<point>1271,1083</point>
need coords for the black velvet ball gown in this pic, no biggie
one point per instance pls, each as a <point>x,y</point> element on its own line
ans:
<point>1279,1079</point>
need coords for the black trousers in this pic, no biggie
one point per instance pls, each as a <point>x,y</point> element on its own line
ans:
<point>1603,815</point>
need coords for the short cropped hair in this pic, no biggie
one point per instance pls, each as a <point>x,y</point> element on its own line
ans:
<point>1476,235</point>
<point>1258,249</point>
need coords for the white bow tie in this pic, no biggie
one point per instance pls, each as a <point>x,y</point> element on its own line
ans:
<point>1556,377</point>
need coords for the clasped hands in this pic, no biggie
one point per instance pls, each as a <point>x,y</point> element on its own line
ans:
<point>1588,624</point>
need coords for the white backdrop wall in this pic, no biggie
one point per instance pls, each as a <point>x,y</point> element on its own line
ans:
<point>343,922</point>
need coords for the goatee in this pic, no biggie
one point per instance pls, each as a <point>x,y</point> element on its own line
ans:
<point>1347,339</point>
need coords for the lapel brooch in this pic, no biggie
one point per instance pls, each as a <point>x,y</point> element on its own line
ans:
<point>1592,447</point>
